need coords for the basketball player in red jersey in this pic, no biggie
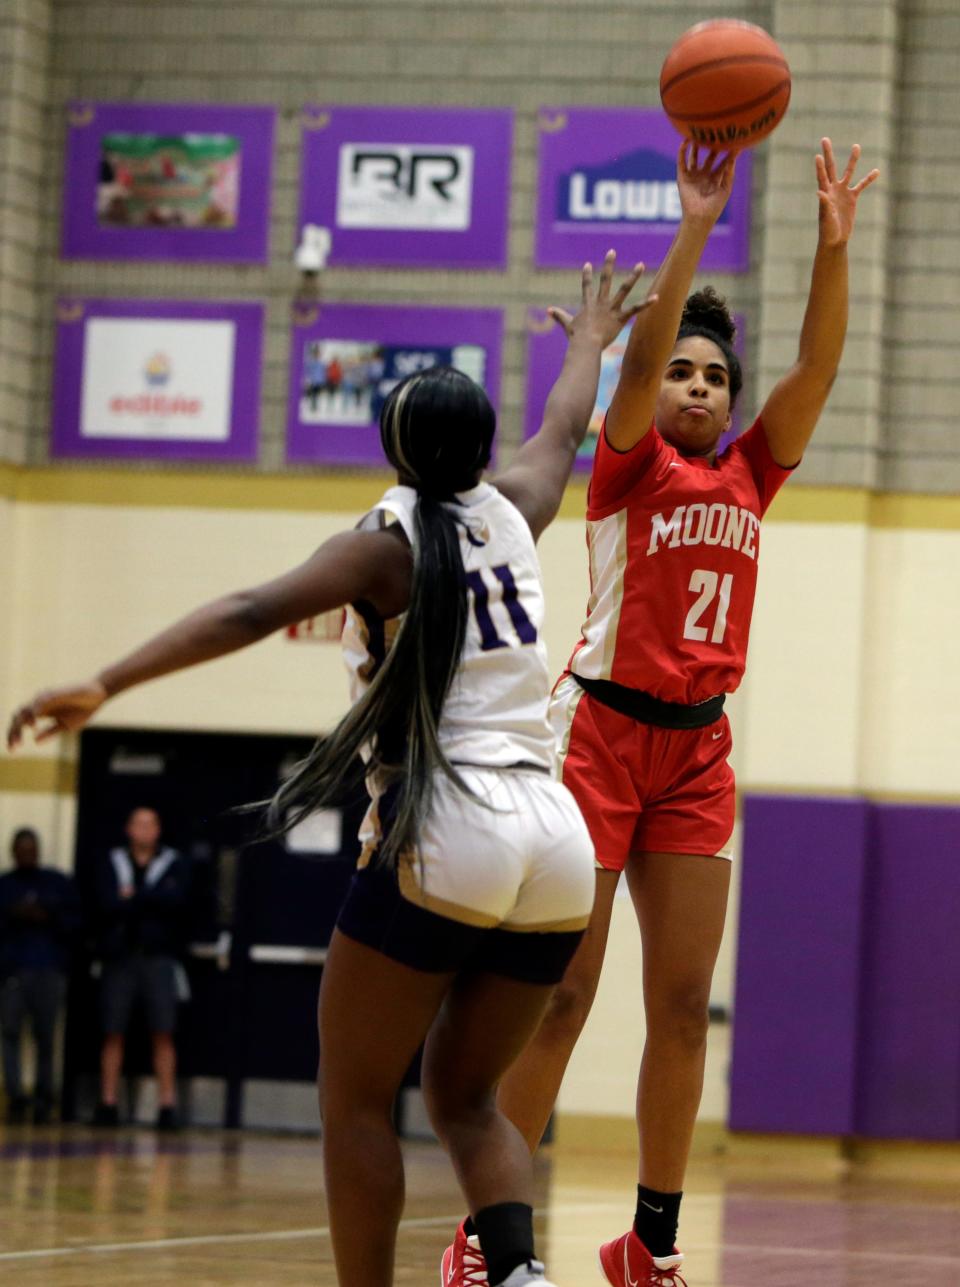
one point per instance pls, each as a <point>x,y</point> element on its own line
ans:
<point>673,533</point>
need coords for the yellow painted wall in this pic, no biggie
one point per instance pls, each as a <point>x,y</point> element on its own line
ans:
<point>852,683</point>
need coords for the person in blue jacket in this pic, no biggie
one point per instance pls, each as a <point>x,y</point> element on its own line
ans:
<point>142,898</point>
<point>39,920</point>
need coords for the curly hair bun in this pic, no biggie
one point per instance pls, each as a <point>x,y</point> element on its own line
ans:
<point>708,308</point>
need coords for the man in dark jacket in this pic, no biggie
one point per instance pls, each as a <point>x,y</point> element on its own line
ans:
<point>39,918</point>
<point>142,894</point>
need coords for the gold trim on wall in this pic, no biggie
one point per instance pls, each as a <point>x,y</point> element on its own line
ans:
<point>44,774</point>
<point>354,492</point>
<point>36,774</point>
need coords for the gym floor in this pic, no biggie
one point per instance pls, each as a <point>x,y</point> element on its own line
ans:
<point>208,1208</point>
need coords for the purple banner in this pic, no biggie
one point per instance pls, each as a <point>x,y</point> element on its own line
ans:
<point>167,181</point>
<point>545,349</point>
<point>401,185</point>
<point>157,379</point>
<point>345,358</point>
<point>607,179</point>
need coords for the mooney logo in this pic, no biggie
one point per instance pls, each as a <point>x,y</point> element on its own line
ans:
<point>729,526</point>
<point>399,185</point>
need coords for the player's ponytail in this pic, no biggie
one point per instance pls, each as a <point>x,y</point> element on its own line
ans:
<point>437,430</point>
<point>706,313</point>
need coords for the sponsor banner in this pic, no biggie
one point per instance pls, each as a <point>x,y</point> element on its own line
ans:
<point>157,379</point>
<point>545,351</point>
<point>167,181</point>
<point>345,359</point>
<point>398,185</point>
<point>607,178</point>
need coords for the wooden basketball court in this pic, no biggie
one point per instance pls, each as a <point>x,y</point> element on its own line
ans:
<point>211,1208</point>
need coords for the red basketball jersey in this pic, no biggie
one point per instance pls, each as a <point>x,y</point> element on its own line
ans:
<point>673,544</point>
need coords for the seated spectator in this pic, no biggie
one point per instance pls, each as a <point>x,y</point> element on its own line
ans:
<point>142,895</point>
<point>39,918</point>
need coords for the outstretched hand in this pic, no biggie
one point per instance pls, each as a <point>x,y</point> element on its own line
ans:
<point>601,316</point>
<point>705,186</point>
<point>838,200</point>
<point>65,710</point>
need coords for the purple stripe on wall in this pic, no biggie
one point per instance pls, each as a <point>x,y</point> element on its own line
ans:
<point>910,1017</point>
<point>798,964</point>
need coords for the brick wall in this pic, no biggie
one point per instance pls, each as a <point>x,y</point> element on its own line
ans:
<point>524,54</point>
<point>24,158</point>
<point>843,59</point>
<point>921,443</point>
<point>874,71</point>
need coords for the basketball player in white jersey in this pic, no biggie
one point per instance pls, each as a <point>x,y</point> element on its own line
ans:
<point>476,878</point>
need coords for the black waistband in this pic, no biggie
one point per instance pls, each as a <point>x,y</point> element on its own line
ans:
<point>651,710</point>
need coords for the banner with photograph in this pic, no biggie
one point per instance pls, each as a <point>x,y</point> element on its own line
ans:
<point>607,178</point>
<point>167,181</point>
<point>345,359</point>
<point>546,347</point>
<point>157,379</point>
<point>403,185</point>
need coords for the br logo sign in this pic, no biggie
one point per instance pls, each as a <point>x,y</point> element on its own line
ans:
<point>404,186</point>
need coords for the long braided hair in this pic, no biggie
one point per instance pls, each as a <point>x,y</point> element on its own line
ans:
<point>436,428</point>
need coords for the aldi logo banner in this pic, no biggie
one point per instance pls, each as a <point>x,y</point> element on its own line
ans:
<point>607,178</point>
<point>426,187</point>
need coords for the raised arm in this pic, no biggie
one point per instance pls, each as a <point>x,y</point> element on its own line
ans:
<point>375,566</point>
<point>791,411</point>
<point>540,470</point>
<point>704,191</point>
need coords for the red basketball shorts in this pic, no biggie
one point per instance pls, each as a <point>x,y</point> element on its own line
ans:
<point>642,788</point>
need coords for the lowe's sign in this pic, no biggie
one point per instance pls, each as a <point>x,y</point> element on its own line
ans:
<point>639,187</point>
<point>608,179</point>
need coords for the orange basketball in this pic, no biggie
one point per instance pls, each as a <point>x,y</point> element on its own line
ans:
<point>725,84</point>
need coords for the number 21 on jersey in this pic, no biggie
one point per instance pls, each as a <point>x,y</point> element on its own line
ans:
<point>708,586</point>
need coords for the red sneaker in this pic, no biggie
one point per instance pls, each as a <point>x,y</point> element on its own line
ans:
<point>463,1264</point>
<point>625,1262</point>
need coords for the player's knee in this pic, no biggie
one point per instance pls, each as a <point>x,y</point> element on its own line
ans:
<point>680,1015</point>
<point>568,1009</point>
<point>455,1103</point>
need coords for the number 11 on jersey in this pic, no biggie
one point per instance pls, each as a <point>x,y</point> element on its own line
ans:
<point>507,593</point>
<point>708,586</point>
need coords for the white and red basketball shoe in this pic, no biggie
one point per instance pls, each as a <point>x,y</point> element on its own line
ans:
<point>463,1264</point>
<point>626,1262</point>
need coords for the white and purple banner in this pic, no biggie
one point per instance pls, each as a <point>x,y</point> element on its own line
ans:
<point>171,181</point>
<point>607,178</point>
<point>157,379</point>
<point>427,187</point>
<point>345,359</point>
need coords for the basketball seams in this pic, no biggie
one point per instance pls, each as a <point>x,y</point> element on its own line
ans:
<point>735,109</point>
<point>714,64</point>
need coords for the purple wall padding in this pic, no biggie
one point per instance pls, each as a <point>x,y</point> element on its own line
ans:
<point>910,1016</point>
<point>798,965</point>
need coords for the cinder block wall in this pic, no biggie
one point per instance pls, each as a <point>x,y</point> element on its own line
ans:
<point>880,72</point>
<point>524,54</point>
<point>920,448</point>
<point>25,158</point>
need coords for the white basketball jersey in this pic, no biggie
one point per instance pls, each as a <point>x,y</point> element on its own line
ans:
<point>496,711</point>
